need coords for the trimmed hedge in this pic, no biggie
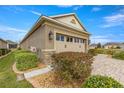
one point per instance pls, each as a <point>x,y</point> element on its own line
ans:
<point>119,55</point>
<point>26,61</point>
<point>69,66</point>
<point>94,52</point>
<point>101,82</point>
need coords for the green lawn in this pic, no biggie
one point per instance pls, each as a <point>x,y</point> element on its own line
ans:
<point>7,76</point>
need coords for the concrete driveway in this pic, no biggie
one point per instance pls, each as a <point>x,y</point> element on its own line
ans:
<point>104,65</point>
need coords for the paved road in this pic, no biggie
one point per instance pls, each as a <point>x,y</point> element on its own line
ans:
<point>104,65</point>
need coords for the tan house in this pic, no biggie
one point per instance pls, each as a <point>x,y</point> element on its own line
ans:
<point>11,44</point>
<point>3,44</point>
<point>56,34</point>
<point>111,45</point>
<point>93,46</point>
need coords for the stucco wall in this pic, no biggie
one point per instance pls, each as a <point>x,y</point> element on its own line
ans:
<point>70,46</point>
<point>3,44</point>
<point>68,19</point>
<point>59,46</point>
<point>49,44</point>
<point>37,39</point>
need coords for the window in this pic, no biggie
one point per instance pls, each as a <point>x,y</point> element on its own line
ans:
<point>69,39</point>
<point>81,40</point>
<point>59,37</point>
<point>76,40</point>
<point>62,38</point>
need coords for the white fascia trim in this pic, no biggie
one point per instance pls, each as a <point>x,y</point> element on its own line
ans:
<point>62,15</point>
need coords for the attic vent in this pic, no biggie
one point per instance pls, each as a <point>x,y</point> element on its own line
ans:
<point>73,21</point>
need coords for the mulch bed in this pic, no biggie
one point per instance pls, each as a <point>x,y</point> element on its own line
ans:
<point>48,81</point>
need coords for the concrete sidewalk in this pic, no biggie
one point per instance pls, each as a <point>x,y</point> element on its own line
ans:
<point>37,72</point>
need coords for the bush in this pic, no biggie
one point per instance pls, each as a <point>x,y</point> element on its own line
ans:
<point>119,55</point>
<point>4,51</point>
<point>92,52</point>
<point>69,66</point>
<point>101,82</point>
<point>19,48</point>
<point>26,61</point>
<point>100,51</point>
<point>110,52</point>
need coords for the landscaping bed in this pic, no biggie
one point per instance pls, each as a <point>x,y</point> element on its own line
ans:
<point>47,81</point>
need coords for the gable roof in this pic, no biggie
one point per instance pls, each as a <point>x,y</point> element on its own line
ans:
<point>3,40</point>
<point>93,45</point>
<point>11,42</point>
<point>69,14</point>
<point>51,19</point>
<point>111,43</point>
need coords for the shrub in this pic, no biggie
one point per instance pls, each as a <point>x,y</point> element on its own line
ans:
<point>92,52</point>
<point>19,48</point>
<point>110,52</point>
<point>119,55</point>
<point>101,82</point>
<point>4,51</point>
<point>26,61</point>
<point>69,66</point>
<point>100,51</point>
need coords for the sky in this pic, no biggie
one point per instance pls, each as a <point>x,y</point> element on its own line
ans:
<point>105,23</point>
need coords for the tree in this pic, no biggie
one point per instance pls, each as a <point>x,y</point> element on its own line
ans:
<point>99,45</point>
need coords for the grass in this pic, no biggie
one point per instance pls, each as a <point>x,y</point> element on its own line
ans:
<point>7,76</point>
<point>119,55</point>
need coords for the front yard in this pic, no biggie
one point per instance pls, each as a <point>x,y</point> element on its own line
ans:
<point>7,76</point>
<point>70,70</point>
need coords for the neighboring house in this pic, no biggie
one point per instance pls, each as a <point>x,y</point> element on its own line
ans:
<point>11,44</point>
<point>121,46</point>
<point>111,45</point>
<point>93,46</point>
<point>3,44</point>
<point>56,34</point>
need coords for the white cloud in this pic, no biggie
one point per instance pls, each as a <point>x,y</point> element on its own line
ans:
<point>17,9</point>
<point>113,20</point>
<point>36,13</point>
<point>77,7</point>
<point>14,9</point>
<point>95,9</point>
<point>8,29</point>
<point>101,39</point>
<point>11,33</point>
